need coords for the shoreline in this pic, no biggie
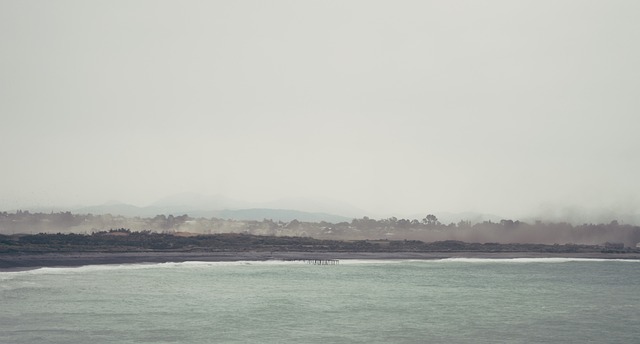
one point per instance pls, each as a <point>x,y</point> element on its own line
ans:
<point>21,262</point>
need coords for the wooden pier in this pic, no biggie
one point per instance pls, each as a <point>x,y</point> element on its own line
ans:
<point>315,261</point>
<point>322,261</point>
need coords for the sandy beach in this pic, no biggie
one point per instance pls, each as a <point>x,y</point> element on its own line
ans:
<point>34,261</point>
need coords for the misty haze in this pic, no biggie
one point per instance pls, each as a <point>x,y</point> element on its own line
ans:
<point>319,171</point>
<point>321,226</point>
<point>519,109</point>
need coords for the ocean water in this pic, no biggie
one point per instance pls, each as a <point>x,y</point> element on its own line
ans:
<point>437,301</point>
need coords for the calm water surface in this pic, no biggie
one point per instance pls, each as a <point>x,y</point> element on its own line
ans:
<point>445,301</point>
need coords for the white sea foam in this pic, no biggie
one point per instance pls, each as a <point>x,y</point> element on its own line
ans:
<point>138,266</point>
<point>198,264</point>
<point>77,269</point>
<point>371,261</point>
<point>480,260</point>
<point>532,260</point>
<point>8,275</point>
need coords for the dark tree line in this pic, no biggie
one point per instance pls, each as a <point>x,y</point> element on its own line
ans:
<point>124,240</point>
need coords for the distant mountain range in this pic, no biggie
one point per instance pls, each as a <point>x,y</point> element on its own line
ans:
<point>197,205</point>
<point>257,214</point>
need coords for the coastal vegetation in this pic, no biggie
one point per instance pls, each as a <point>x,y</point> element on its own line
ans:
<point>428,229</point>
<point>124,240</point>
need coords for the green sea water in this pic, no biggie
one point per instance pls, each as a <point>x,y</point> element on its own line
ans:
<point>437,301</point>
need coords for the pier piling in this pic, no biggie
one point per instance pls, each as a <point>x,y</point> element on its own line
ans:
<point>322,261</point>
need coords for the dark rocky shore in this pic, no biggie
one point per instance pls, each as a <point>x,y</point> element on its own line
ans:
<point>123,247</point>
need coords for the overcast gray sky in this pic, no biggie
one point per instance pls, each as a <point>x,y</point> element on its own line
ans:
<point>396,107</point>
